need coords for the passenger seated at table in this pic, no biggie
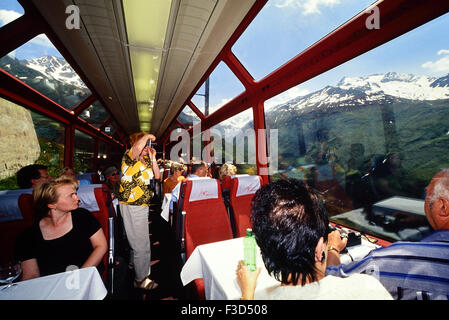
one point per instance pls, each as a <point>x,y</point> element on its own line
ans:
<point>176,171</point>
<point>291,227</point>
<point>228,169</point>
<point>62,235</point>
<point>414,270</point>
<point>30,176</point>
<point>198,170</point>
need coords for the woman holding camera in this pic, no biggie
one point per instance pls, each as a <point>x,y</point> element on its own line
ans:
<point>138,167</point>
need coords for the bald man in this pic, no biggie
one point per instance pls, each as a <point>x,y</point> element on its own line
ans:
<point>414,270</point>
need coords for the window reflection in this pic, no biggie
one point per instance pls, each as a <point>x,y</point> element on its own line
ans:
<point>370,133</point>
<point>95,114</point>
<point>235,142</point>
<point>84,152</point>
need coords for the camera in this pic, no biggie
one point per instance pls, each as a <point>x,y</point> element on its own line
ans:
<point>150,143</point>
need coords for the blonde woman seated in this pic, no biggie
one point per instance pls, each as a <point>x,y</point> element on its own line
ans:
<point>292,231</point>
<point>62,235</point>
<point>176,171</point>
<point>228,169</point>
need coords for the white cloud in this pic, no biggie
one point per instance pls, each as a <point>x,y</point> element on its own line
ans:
<point>307,6</point>
<point>286,96</point>
<point>443,51</point>
<point>441,65</point>
<point>6,16</point>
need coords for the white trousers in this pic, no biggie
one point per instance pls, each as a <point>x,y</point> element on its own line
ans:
<point>135,220</point>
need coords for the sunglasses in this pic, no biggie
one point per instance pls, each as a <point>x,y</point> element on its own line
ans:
<point>115,174</point>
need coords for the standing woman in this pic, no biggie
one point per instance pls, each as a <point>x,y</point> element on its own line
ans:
<point>139,167</point>
<point>63,235</point>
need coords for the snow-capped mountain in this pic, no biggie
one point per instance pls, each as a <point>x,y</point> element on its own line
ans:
<point>359,91</point>
<point>57,69</point>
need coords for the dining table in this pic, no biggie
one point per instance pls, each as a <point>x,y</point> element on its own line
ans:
<point>216,264</point>
<point>78,284</point>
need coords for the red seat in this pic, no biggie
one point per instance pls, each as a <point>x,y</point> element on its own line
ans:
<point>10,230</point>
<point>106,209</point>
<point>226,182</point>
<point>206,218</point>
<point>242,192</point>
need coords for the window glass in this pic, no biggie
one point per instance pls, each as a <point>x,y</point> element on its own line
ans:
<point>95,114</point>
<point>284,28</point>
<point>38,64</point>
<point>26,138</point>
<point>110,129</point>
<point>223,86</point>
<point>234,142</point>
<point>187,117</point>
<point>371,133</point>
<point>10,10</point>
<point>84,152</point>
<point>199,99</point>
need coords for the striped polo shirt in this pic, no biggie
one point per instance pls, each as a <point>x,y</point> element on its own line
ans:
<point>408,270</point>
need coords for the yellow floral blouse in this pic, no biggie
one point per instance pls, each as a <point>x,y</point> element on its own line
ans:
<point>135,186</point>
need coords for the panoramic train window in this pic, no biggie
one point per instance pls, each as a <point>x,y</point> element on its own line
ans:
<point>84,152</point>
<point>39,64</point>
<point>200,97</point>
<point>30,138</point>
<point>223,86</point>
<point>370,133</point>
<point>283,28</point>
<point>187,117</point>
<point>10,10</point>
<point>237,143</point>
<point>95,114</point>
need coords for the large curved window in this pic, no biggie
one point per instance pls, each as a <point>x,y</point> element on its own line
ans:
<point>283,28</point>
<point>10,10</point>
<point>234,141</point>
<point>84,152</point>
<point>39,64</point>
<point>95,114</point>
<point>27,138</point>
<point>371,133</point>
<point>221,86</point>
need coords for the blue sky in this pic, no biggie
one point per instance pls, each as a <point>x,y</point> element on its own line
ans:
<point>286,27</point>
<point>36,47</point>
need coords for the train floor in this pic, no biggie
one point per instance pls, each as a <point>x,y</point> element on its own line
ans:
<point>165,271</point>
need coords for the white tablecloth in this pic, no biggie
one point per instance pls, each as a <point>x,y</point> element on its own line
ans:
<point>165,213</point>
<point>81,284</point>
<point>216,264</point>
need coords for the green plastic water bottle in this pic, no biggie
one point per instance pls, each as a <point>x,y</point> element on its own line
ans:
<point>250,247</point>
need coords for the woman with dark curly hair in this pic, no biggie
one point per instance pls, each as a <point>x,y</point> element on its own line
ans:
<point>291,227</point>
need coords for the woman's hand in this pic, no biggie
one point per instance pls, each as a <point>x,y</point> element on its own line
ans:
<point>247,280</point>
<point>152,153</point>
<point>334,239</point>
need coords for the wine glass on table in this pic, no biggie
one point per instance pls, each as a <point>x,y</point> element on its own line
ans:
<point>9,272</point>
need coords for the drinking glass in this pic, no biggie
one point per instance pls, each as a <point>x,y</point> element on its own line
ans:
<point>9,272</point>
